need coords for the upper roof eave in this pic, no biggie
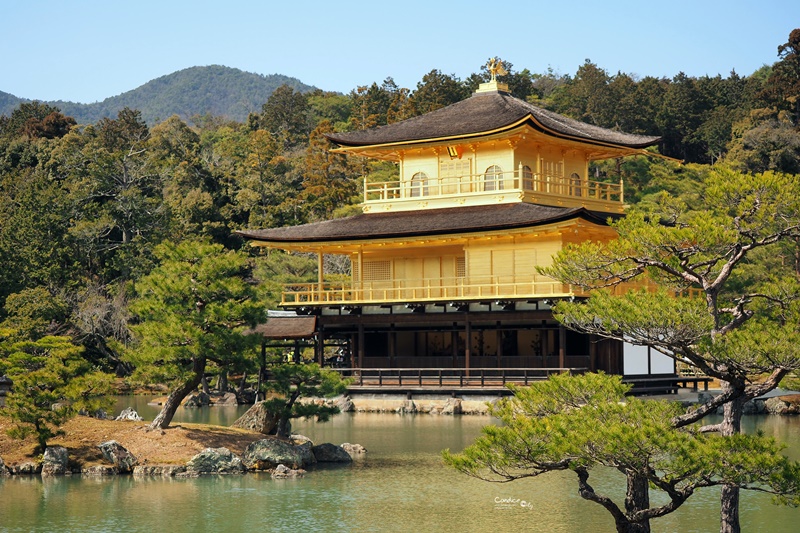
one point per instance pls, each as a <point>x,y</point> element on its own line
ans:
<point>484,114</point>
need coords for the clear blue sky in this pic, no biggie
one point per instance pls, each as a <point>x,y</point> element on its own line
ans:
<point>88,50</point>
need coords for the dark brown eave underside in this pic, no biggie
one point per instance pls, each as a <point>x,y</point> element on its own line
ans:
<point>462,220</point>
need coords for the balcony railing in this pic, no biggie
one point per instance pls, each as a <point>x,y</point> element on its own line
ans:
<point>545,185</point>
<point>425,290</point>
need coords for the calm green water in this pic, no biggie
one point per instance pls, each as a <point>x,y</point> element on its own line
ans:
<point>400,485</point>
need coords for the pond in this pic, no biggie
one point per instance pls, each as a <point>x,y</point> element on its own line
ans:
<point>400,485</point>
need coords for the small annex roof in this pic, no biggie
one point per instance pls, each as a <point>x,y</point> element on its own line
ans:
<point>400,224</point>
<point>283,328</point>
<point>482,113</point>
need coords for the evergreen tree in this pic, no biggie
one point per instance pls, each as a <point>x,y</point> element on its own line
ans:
<point>192,309</point>
<point>580,423</point>
<point>746,336</point>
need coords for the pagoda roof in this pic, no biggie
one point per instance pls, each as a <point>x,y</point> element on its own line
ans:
<point>404,224</point>
<point>482,113</point>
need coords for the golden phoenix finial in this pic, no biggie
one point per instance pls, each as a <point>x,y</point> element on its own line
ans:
<point>495,67</point>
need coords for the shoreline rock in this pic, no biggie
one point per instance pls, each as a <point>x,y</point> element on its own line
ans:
<point>215,461</point>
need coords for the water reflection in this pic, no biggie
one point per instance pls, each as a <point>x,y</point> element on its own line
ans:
<point>400,485</point>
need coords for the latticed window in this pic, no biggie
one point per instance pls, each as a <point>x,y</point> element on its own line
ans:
<point>461,267</point>
<point>419,184</point>
<point>377,270</point>
<point>493,178</point>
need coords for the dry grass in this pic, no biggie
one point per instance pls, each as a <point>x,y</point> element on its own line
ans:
<point>174,445</point>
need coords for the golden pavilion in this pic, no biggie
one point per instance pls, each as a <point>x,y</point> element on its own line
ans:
<point>443,259</point>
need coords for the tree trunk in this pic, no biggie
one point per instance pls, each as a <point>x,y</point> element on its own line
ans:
<point>284,427</point>
<point>204,385</point>
<point>176,397</point>
<point>729,497</point>
<point>729,510</point>
<point>242,384</point>
<point>637,498</point>
<point>222,381</point>
<point>621,521</point>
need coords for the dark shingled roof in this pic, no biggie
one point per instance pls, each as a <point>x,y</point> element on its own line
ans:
<point>299,327</point>
<point>469,219</point>
<point>484,112</point>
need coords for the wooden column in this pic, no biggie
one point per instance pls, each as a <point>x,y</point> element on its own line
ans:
<point>593,353</point>
<point>360,280</point>
<point>498,336</point>
<point>468,345</point>
<point>562,346</point>
<point>392,346</point>
<point>454,343</point>
<point>360,345</point>
<point>320,274</point>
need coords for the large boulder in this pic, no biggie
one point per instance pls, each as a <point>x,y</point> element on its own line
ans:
<point>198,399</point>
<point>3,470</point>
<point>344,403</point>
<point>55,461</point>
<point>227,398</point>
<point>215,461</point>
<point>129,413</point>
<point>452,407</point>
<point>330,453</point>
<point>116,454</point>
<point>259,419</point>
<point>780,406</point>
<point>266,454</point>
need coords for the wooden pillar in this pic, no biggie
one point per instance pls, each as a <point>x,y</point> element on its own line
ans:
<point>562,346</point>
<point>392,346</point>
<point>498,335</point>
<point>360,345</point>
<point>593,353</point>
<point>468,349</point>
<point>454,343</point>
<point>320,274</point>
<point>360,280</point>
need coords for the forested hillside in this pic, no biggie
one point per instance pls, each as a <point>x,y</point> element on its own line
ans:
<point>84,203</point>
<point>216,90</point>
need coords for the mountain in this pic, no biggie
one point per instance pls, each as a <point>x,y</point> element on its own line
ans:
<point>215,89</point>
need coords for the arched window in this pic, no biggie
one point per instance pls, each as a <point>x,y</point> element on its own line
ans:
<point>575,184</point>
<point>527,178</point>
<point>493,179</point>
<point>419,184</point>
